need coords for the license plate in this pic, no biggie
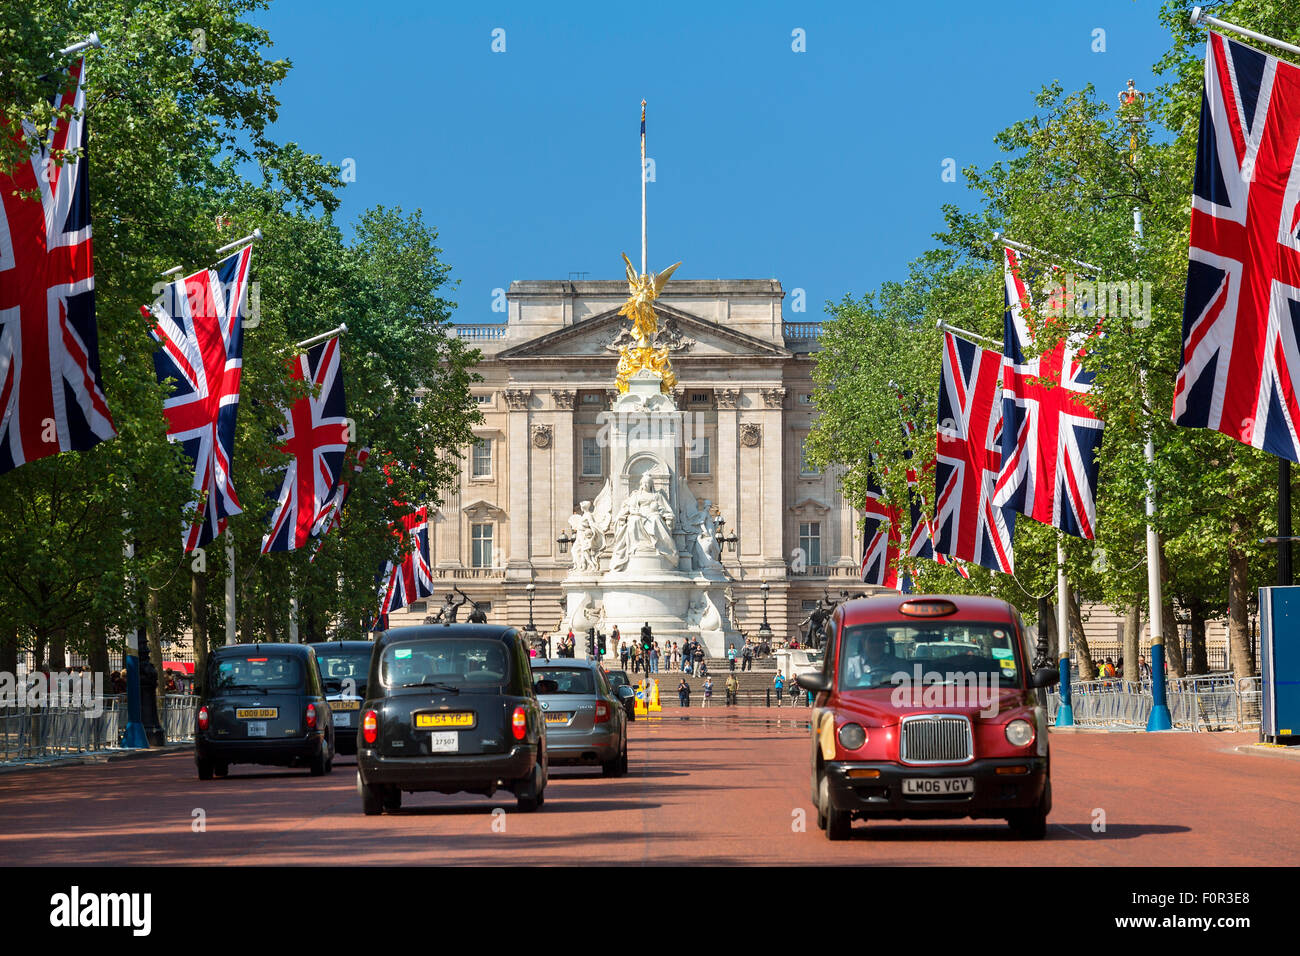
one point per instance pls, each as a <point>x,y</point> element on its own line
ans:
<point>444,720</point>
<point>258,713</point>
<point>938,786</point>
<point>337,705</point>
<point>342,720</point>
<point>558,718</point>
<point>256,728</point>
<point>444,741</point>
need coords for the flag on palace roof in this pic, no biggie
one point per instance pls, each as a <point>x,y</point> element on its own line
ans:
<point>51,393</point>
<point>1242,304</point>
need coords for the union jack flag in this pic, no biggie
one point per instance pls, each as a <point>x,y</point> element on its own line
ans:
<point>315,432</point>
<point>51,394</point>
<point>1242,304</point>
<point>920,544</point>
<point>1050,437</point>
<point>968,458</point>
<point>200,323</point>
<point>880,538</point>
<point>409,579</point>
<point>331,512</point>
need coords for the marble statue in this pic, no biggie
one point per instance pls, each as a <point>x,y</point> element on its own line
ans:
<point>644,525</point>
<point>588,540</point>
<point>703,613</point>
<point>704,529</point>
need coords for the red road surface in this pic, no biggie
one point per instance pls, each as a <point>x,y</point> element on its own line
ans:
<point>717,788</point>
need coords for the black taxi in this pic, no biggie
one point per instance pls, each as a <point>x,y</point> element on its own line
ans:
<point>345,669</point>
<point>262,704</point>
<point>451,708</point>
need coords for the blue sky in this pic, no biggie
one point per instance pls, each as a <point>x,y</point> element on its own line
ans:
<point>819,168</point>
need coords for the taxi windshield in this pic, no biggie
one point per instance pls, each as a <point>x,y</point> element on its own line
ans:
<point>462,664</point>
<point>886,655</point>
<point>337,668</point>
<point>256,672</point>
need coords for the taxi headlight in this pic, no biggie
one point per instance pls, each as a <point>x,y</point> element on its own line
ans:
<point>1020,733</point>
<point>852,736</point>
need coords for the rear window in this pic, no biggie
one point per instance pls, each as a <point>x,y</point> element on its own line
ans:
<point>463,663</point>
<point>338,667</point>
<point>255,672</point>
<point>885,655</point>
<point>569,680</point>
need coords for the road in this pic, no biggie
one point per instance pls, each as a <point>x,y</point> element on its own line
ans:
<point>711,788</point>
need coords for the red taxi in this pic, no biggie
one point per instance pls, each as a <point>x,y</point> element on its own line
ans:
<point>927,709</point>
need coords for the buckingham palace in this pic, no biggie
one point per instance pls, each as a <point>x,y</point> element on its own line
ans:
<point>744,386</point>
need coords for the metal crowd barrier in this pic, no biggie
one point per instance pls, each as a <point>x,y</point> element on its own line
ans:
<point>1204,702</point>
<point>35,733</point>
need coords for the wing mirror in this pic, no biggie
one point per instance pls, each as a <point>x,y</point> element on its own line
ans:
<point>814,681</point>
<point>1045,677</point>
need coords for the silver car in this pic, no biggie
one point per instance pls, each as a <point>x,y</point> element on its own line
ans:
<point>585,719</point>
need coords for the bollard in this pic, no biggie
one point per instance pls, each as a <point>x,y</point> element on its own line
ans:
<point>769,697</point>
<point>1160,718</point>
<point>1065,713</point>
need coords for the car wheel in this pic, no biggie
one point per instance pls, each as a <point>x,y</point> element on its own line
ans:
<point>220,770</point>
<point>609,768</point>
<point>204,768</point>
<point>838,824</point>
<point>1032,824</point>
<point>318,763</point>
<point>329,765</point>
<point>372,797</point>
<point>528,794</point>
<point>392,799</point>
<point>823,793</point>
<point>622,762</point>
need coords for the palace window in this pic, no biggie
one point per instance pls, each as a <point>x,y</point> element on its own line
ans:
<point>592,398</point>
<point>592,461</point>
<point>810,541</point>
<point>481,535</point>
<point>805,398</point>
<point>805,466</point>
<point>482,467</point>
<point>698,456</point>
<point>484,399</point>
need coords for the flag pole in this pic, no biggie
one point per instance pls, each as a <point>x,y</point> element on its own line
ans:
<point>230,587</point>
<point>945,327</point>
<point>643,234</point>
<point>86,44</point>
<point>1198,18</point>
<point>1000,239</point>
<point>308,343</point>
<point>1064,713</point>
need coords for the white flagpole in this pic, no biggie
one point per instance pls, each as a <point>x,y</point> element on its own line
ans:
<point>308,343</point>
<point>1064,713</point>
<point>945,327</point>
<point>643,234</point>
<point>1198,17</point>
<point>86,44</point>
<point>230,587</point>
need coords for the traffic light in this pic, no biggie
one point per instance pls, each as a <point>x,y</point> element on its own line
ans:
<point>600,638</point>
<point>591,643</point>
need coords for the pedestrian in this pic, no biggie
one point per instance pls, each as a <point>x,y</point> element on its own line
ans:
<point>615,639</point>
<point>623,654</point>
<point>731,656</point>
<point>699,656</point>
<point>796,692</point>
<point>708,691</point>
<point>684,693</point>
<point>674,657</point>
<point>779,683</point>
<point>1144,669</point>
<point>747,657</point>
<point>732,686</point>
<point>654,658</point>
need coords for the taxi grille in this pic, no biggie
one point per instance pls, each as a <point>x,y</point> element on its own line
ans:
<point>935,740</point>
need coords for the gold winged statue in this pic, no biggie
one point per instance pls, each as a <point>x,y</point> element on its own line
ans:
<point>639,307</point>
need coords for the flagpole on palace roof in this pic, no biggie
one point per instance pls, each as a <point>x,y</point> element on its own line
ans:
<point>1198,18</point>
<point>643,234</point>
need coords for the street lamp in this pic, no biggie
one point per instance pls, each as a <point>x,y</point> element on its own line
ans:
<point>766,630</point>
<point>532,592</point>
<point>728,539</point>
<point>564,540</point>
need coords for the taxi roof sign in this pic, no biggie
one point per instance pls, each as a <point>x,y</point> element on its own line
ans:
<point>927,608</point>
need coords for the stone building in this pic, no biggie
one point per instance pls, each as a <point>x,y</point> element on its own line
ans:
<point>745,386</point>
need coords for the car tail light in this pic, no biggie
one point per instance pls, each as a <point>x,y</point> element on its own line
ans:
<point>602,712</point>
<point>370,726</point>
<point>203,718</point>
<point>311,716</point>
<point>519,723</point>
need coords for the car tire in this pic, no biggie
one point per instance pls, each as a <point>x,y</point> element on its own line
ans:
<point>220,770</point>
<point>204,768</point>
<point>318,764</point>
<point>528,794</point>
<point>618,766</point>
<point>392,799</point>
<point>838,824</point>
<point>823,788</point>
<point>372,797</point>
<point>329,765</point>
<point>1032,824</point>
<point>622,761</point>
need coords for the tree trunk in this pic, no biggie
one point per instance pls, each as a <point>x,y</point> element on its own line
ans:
<point>155,646</point>
<point>199,622</point>
<point>1087,669</point>
<point>58,651</point>
<point>1196,639</point>
<point>1128,668</point>
<point>98,651</point>
<point>1238,616</point>
<point>9,649</point>
<point>38,651</point>
<point>1173,641</point>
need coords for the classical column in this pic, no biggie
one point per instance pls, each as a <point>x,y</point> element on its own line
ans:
<point>517,470</point>
<point>563,471</point>
<point>728,462</point>
<point>773,473</point>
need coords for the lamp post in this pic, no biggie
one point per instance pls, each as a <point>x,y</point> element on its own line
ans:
<point>766,630</point>
<point>532,593</point>
<point>728,539</point>
<point>564,540</point>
